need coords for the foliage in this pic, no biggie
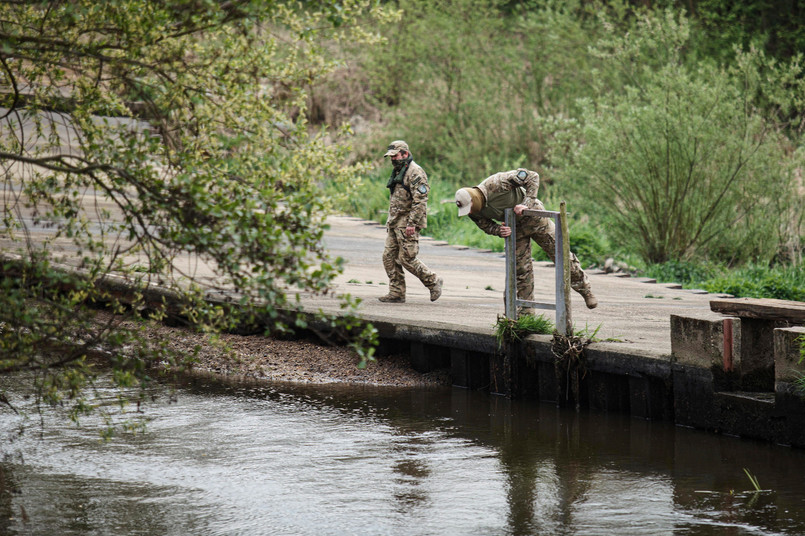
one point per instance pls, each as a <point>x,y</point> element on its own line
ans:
<point>758,281</point>
<point>659,150</point>
<point>801,341</point>
<point>475,91</point>
<point>752,479</point>
<point>587,242</point>
<point>508,330</point>
<point>799,382</point>
<point>778,27</point>
<point>588,334</point>
<point>683,272</point>
<point>753,280</point>
<point>684,161</point>
<point>167,142</point>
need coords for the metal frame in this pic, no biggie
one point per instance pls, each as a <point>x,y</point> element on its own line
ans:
<point>562,255</point>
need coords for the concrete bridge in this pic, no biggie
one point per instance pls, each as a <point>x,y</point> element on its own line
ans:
<point>634,311</point>
<point>663,352</point>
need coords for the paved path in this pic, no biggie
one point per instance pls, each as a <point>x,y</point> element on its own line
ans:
<point>630,309</point>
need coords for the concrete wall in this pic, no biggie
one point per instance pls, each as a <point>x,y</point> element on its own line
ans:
<point>710,341</point>
<point>787,354</point>
<point>689,387</point>
<point>704,341</point>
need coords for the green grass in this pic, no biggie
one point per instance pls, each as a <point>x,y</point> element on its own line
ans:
<point>750,281</point>
<point>752,479</point>
<point>515,330</point>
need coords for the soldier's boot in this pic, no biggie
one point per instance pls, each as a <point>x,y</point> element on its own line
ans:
<point>388,298</point>
<point>589,299</point>
<point>436,289</point>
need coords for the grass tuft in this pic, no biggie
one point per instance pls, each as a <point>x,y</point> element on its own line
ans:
<point>752,479</point>
<point>507,330</point>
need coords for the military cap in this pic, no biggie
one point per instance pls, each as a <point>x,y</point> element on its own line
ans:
<point>395,147</point>
<point>463,201</point>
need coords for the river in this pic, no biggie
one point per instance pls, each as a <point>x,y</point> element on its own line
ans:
<point>232,458</point>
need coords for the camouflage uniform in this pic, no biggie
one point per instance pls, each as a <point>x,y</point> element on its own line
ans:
<point>505,190</point>
<point>408,206</point>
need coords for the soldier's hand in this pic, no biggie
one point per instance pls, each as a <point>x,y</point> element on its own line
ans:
<point>505,231</point>
<point>518,209</point>
<point>410,231</point>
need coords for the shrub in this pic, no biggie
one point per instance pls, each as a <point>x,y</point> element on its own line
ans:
<point>684,272</point>
<point>680,162</point>
<point>757,281</point>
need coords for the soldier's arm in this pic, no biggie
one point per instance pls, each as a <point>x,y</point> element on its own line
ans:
<point>419,202</point>
<point>488,226</point>
<point>530,181</point>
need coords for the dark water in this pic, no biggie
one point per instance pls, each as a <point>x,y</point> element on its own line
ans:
<point>299,460</point>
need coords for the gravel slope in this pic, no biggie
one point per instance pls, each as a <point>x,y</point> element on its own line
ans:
<point>305,361</point>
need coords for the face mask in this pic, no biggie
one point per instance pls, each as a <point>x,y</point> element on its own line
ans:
<point>398,164</point>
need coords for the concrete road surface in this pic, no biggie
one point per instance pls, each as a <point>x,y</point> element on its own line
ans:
<point>634,312</point>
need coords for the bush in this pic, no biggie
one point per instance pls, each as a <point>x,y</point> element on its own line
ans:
<point>683,272</point>
<point>476,92</point>
<point>755,281</point>
<point>749,281</point>
<point>679,162</point>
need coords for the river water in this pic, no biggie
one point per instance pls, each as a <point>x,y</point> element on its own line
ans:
<point>246,459</point>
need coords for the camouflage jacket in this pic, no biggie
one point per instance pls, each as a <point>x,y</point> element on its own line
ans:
<point>408,205</point>
<point>505,190</point>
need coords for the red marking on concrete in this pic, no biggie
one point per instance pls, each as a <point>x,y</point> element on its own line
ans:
<point>728,344</point>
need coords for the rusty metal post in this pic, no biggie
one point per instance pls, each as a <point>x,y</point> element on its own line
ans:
<point>510,294</point>
<point>564,323</point>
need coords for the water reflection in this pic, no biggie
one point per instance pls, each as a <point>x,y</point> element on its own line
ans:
<point>256,459</point>
<point>412,467</point>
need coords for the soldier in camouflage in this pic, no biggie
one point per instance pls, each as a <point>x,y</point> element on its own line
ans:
<point>408,205</point>
<point>517,189</point>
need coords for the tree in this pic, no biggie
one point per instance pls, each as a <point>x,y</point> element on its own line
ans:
<point>690,160</point>
<point>481,89</point>
<point>167,142</point>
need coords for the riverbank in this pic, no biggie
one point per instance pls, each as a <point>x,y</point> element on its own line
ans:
<point>298,360</point>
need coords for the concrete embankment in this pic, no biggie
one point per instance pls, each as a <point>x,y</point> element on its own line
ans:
<point>671,357</point>
<point>612,376</point>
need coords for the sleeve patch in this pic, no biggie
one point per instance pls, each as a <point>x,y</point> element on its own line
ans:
<point>422,189</point>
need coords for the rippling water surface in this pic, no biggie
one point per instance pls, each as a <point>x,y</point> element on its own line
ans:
<point>237,459</point>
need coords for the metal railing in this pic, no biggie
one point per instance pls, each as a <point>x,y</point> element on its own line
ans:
<point>562,255</point>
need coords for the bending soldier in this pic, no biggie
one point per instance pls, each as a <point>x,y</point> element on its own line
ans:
<point>517,189</point>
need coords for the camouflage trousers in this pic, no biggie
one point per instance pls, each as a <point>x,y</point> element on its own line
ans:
<point>400,252</point>
<point>541,231</point>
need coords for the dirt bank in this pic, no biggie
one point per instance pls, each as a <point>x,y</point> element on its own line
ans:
<point>295,360</point>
